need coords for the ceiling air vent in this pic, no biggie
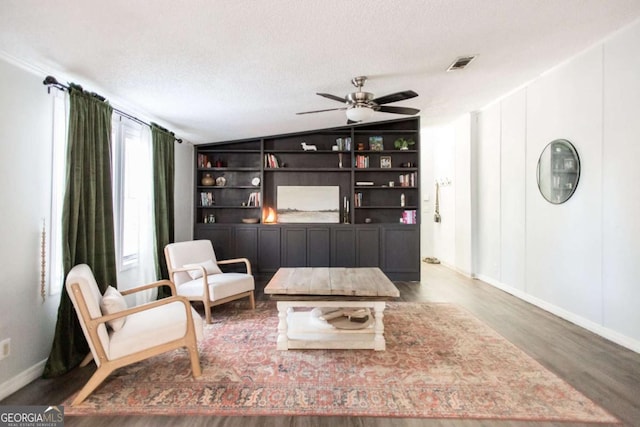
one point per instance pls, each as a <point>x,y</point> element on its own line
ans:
<point>461,62</point>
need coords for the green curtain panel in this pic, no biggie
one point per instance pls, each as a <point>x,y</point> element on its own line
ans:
<point>87,218</point>
<point>163,184</point>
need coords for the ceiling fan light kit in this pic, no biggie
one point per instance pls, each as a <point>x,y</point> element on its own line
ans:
<point>359,113</point>
<point>360,105</point>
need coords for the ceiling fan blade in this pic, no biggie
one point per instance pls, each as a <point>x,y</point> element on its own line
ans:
<point>334,97</point>
<point>395,97</point>
<point>322,111</point>
<point>397,110</point>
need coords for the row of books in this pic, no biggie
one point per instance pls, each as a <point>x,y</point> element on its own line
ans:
<point>344,144</point>
<point>271,161</point>
<point>207,199</point>
<point>203,160</point>
<point>362,161</point>
<point>408,180</point>
<point>254,199</point>
<point>357,200</point>
<point>409,217</point>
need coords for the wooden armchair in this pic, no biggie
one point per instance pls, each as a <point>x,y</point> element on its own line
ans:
<point>193,268</point>
<point>134,333</point>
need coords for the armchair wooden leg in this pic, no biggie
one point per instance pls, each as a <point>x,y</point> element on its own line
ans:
<point>98,377</point>
<point>252,300</point>
<point>196,370</point>
<point>87,359</point>
<point>207,312</point>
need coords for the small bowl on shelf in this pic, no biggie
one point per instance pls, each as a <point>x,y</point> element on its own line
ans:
<point>250,220</point>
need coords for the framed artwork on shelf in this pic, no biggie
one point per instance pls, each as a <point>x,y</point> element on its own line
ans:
<point>308,204</point>
<point>376,143</point>
<point>385,162</point>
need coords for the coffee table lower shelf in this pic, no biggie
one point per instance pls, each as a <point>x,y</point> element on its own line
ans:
<point>298,330</point>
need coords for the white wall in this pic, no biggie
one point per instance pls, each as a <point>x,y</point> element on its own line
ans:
<point>577,259</point>
<point>446,152</point>
<point>183,192</point>
<point>620,179</point>
<point>427,137</point>
<point>25,175</point>
<point>461,182</point>
<point>564,242</point>
<point>513,192</point>
<point>440,144</point>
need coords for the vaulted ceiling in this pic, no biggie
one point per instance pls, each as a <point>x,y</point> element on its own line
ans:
<point>213,70</point>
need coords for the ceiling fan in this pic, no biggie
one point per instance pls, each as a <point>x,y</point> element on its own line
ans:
<point>361,105</point>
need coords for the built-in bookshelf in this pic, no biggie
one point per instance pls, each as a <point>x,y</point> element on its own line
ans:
<point>379,182</point>
<point>375,219</point>
<point>386,179</point>
<point>228,182</point>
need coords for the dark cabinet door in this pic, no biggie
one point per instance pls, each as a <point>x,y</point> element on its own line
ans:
<point>268,249</point>
<point>367,246</point>
<point>246,244</point>
<point>318,246</point>
<point>220,237</point>
<point>294,247</point>
<point>343,247</point>
<point>400,249</point>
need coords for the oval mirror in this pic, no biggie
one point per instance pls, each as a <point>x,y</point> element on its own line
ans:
<point>558,171</point>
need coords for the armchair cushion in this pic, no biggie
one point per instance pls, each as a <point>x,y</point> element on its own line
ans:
<point>220,285</point>
<point>112,302</point>
<point>209,265</point>
<point>152,327</point>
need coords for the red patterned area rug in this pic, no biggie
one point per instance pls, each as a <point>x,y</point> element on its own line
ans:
<point>440,362</point>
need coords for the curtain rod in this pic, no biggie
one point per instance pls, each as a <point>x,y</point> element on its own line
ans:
<point>51,81</point>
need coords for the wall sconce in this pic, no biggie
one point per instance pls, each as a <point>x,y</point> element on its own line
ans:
<point>268,215</point>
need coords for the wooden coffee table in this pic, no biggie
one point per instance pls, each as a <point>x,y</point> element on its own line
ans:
<point>300,290</point>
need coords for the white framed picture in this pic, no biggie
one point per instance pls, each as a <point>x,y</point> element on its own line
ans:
<point>385,162</point>
<point>308,203</point>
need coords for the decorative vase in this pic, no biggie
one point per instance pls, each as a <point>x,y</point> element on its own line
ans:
<point>208,180</point>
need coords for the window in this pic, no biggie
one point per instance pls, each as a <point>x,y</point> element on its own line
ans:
<point>131,189</point>
<point>58,170</point>
<point>132,200</point>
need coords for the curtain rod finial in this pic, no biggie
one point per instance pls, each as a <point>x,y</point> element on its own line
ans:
<point>50,80</point>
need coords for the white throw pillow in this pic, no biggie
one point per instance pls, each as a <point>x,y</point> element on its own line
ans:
<point>209,265</point>
<point>113,302</point>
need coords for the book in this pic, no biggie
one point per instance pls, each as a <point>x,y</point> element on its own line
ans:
<point>254,199</point>
<point>271,161</point>
<point>409,217</point>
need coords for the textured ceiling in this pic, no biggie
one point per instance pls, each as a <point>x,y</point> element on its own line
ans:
<point>214,70</point>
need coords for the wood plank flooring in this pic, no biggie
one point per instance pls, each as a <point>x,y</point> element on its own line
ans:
<point>601,370</point>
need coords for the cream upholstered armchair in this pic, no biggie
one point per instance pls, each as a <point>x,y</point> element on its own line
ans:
<point>193,268</point>
<point>119,336</point>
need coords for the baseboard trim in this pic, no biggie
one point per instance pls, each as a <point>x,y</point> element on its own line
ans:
<point>14,384</point>
<point>587,324</point>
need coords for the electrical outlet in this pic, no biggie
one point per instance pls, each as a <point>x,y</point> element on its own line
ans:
<point>5,348</point>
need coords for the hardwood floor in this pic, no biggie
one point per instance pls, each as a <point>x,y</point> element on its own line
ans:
<point>603,371</point>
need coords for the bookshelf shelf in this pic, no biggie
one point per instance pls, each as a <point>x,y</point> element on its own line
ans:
<point>268,170</point>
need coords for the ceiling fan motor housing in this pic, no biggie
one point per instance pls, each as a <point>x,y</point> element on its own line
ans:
<point>359,98</point>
